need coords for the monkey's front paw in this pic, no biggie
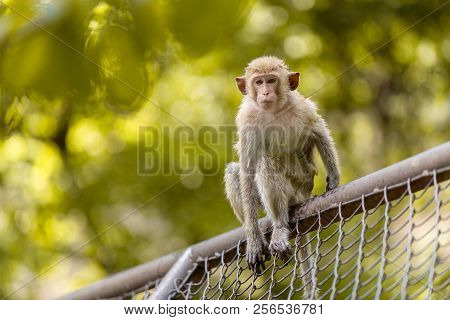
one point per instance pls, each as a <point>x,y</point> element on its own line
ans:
<point>280,247</point>
<point>256,250</point>
<point>332,183</point>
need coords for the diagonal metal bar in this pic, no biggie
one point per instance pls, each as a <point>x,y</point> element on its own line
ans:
<point>178,271</point>
<point>387,184</point>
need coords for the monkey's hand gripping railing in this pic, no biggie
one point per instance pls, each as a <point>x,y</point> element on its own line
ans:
<point>398,248</point>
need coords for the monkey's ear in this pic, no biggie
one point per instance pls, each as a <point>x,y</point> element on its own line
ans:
<point>240,81</point>
<point>294,79</point>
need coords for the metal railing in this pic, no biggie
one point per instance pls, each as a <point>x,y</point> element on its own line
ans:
<point>383,236</point>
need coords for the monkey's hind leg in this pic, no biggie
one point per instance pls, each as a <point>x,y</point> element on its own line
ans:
<point>233,189</point>
<point>275,190</point>
<point>256,243</point>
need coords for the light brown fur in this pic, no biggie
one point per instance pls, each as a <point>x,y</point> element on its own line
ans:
<point>278,130</point>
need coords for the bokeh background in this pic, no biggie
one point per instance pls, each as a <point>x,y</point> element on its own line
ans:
<point>79,78</point>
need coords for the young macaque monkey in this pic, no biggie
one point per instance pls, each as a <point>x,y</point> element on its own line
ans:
<point>278,130</point>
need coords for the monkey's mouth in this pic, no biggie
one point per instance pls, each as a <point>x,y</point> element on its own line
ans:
<point>267,100</point>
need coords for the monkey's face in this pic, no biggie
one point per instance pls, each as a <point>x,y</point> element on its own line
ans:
<point>267,81</point>
<point>265,88</point>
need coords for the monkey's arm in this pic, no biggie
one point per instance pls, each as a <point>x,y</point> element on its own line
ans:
<point>250,206</point>
<point>249,149</point>
<point>327,150</point>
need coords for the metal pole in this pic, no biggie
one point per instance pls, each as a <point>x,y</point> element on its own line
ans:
<point>126,281</point>
<point>178,272</point>
<point>348,195</point>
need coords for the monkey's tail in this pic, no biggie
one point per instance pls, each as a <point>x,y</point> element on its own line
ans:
<point>306,269</point>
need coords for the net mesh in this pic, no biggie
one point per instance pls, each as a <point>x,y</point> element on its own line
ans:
<point>391,244</point>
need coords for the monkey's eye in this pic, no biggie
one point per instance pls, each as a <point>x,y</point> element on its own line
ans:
<point>259,82</point>
<point>271,80</point>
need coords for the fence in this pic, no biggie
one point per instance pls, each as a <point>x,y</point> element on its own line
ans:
<point>383,236</point>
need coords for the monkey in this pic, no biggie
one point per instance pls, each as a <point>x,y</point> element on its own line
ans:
<point>277,131</point>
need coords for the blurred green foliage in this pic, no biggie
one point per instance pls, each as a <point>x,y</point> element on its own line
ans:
<point>79,78</point>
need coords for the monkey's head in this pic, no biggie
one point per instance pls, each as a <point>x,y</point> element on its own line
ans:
<point>267,80</point>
